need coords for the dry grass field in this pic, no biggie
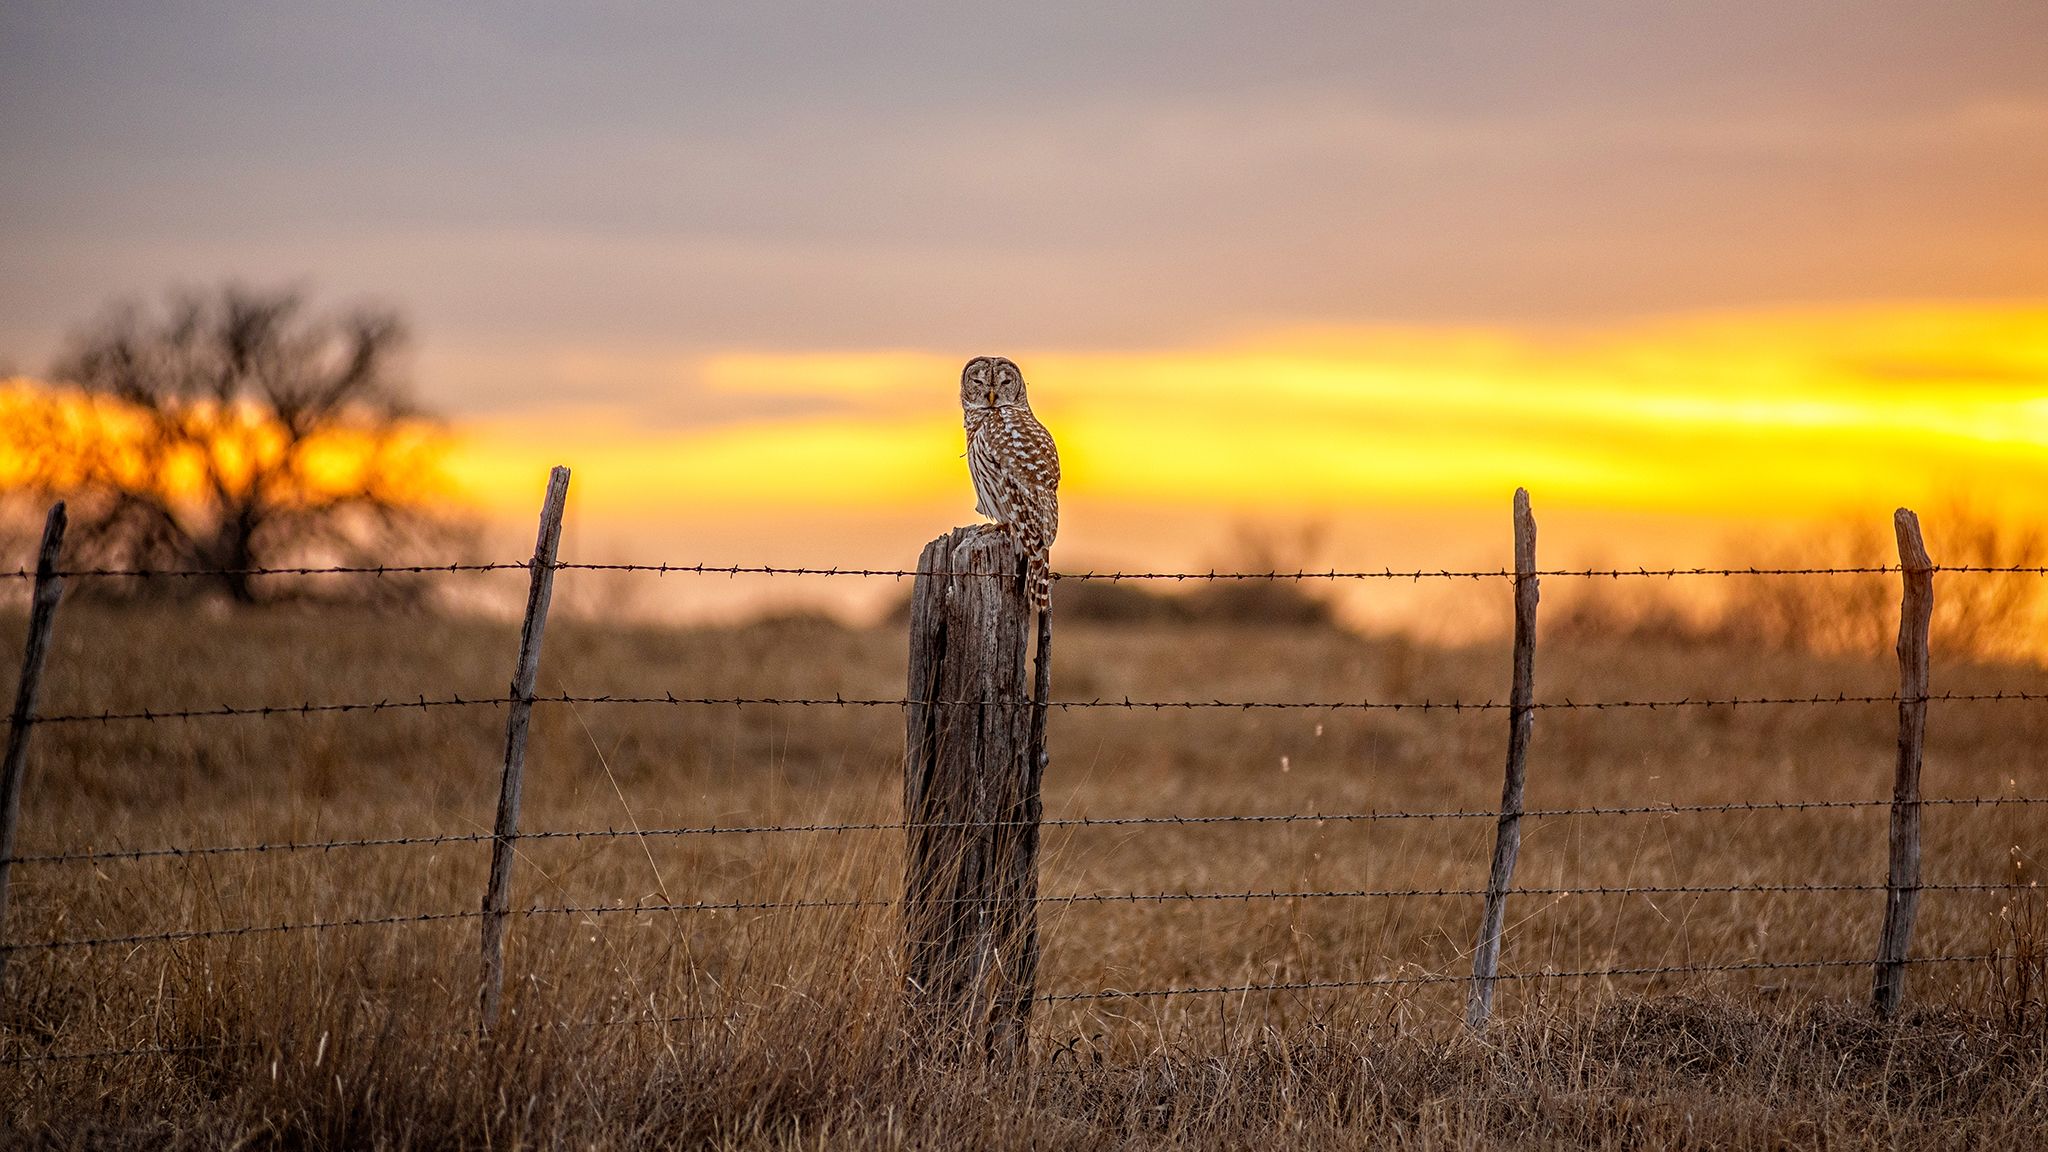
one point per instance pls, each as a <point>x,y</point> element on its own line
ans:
<point>776,1028</point>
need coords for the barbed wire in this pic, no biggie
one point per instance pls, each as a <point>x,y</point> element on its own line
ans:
<point>420,703</point>
<point>184,935</point>
<point>1441,978</point>
<point>1564,891</point>
<point>288,570</point>
<point>1418,574</point>
<point>426,703</point>
<point>288,846</point>
<point>1299,574</point>
<point>1112,576</point>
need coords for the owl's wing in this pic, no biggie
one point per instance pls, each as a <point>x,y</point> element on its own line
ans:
<point>1047,489</point>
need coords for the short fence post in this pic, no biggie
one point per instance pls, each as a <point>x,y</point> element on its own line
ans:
<point>972,761</point>
<point>1025,987</point>
<point>539,591</point>
<point>42,615</point>
<point>1521,723</point>
<point>1902,887</point>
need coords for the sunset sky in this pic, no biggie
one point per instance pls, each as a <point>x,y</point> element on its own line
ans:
<point>1688,271</point>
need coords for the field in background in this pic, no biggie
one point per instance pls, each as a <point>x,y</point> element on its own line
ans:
<point>773,1028</point>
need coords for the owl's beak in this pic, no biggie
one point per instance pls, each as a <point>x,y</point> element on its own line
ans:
<point>991,397</point>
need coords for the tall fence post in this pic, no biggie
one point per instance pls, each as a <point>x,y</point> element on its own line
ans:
<point>1902,887</point>
<point>1521,724</point>
<point>971,770</point>
<point>41,617</point>
<point>540,591</point>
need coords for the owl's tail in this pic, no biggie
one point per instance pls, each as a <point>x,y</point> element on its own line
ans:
<point>1037,563</point>
<point>1038,572</point>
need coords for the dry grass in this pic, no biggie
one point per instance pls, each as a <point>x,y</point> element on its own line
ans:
<point>779,1028</point>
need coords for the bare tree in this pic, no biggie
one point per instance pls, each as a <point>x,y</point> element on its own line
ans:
<point>233,430</point>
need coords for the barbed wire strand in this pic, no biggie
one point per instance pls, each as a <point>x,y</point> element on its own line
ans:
<point>187,934</point>
<point>1566,891</point>
<point>425,703</point>
<point>1743,806</point>
<point>1112,576</point>
<point>1412,981</point>
<point>177,936</point>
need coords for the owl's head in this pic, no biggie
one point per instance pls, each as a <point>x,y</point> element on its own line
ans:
<point>991,382</point>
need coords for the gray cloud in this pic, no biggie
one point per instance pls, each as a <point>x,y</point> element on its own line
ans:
<point>670,180</point>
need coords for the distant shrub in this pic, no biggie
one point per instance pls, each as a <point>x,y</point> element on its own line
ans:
<point>1977,615</point>
<point>1261,548</point>
<point>1118,602</point>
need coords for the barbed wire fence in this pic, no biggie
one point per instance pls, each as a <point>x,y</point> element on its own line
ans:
<point>1902,886</point>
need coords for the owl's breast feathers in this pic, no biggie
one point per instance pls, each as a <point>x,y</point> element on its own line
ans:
<point>985,466</point>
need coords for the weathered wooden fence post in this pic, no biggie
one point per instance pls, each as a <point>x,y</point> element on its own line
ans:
<point>973,760</point>
<point>1902,888</point>
<point>540,590</point>
<point>1521,724</point>
<point>49,588</point>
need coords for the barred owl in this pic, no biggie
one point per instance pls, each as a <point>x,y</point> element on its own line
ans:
<point>1015,467</point>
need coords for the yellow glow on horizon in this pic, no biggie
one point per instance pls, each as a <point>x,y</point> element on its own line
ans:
<point>624,467</point>
<point>1777,414</point>
<point>1762,416</point>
